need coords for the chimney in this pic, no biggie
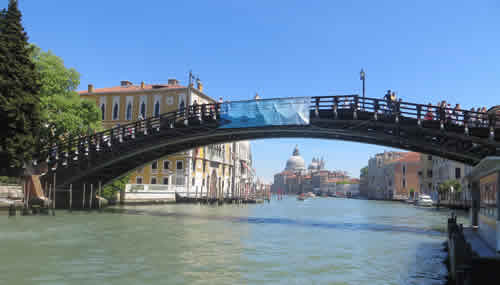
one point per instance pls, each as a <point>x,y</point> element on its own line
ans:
<point>199,85</point>
<point>125,83</point>
<point>91,88</point>
<point>142,84</point>
<point>173,81</point>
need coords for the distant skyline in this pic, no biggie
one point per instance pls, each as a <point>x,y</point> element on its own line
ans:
<point>426,51</point>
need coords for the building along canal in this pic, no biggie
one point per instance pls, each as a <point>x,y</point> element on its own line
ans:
<point>318,241</point>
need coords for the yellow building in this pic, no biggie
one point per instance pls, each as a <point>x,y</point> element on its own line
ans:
<point>193,173</point>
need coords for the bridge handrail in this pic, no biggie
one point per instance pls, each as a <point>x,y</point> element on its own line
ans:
<point>421,112</point>
<point>418,111</point>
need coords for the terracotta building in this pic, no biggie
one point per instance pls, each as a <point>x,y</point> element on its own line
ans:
<point>393,176</point>
<point>199,172</point>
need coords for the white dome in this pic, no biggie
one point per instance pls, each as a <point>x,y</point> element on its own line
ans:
<point>296,162</point>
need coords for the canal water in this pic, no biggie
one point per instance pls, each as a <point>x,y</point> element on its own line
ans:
<point>318,241</point>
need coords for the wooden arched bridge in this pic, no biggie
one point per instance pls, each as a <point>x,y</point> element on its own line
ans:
<point>458,135</point>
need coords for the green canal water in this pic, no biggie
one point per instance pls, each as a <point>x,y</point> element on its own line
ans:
<point>318,241</point>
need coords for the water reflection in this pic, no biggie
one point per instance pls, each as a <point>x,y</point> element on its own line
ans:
<point>288,222</point>
<point>322,241</point>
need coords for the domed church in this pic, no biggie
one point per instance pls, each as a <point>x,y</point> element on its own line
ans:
<point>295,163</point>
<point>297,179</point>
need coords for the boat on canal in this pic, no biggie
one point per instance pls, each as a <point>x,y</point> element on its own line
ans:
<point>301,197</point>
<point>310,195</point>
<point>425,201</point>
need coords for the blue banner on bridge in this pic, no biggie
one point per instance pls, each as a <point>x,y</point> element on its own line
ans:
<point>265,112</point>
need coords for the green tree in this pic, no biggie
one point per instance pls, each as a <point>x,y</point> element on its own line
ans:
<point>110,190</point>
<point>446,186</point>
<point>64,113</point>
<point>19,91</point>
<point>363,171</point>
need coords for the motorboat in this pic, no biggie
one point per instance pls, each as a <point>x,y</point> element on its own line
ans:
<point>410,201</point>
<point>301,197</point>
<point>425,201</point>
<point>310,195</point>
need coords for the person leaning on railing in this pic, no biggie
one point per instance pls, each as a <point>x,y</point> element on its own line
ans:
<point>472,117</point>
<point>456,115</point>
<point>388,99</point>
<point>485,117</point>
<point>429,115</point>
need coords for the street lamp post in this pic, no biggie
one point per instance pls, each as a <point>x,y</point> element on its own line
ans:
<point>362,78</point>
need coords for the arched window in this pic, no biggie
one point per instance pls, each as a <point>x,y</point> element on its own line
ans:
<point>129,111</point>
<point>157,109</point>
<point>115,111</point>
<point>143,110</point>
<point>103,111</point>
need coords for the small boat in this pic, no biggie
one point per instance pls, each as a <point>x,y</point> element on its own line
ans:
<point>301,197</point>
<point>410,201</point>
<point>310,195</point>
<point>425,201</point>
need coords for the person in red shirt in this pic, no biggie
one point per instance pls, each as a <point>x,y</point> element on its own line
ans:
<point>429,116</point>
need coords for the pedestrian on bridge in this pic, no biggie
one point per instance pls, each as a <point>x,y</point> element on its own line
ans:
<point>388,100</point>
<point>429,116</point>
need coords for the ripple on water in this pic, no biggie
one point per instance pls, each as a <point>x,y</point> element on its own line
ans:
<point>322,241</point>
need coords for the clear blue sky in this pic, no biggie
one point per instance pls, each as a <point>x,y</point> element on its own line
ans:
<point>425,50</point>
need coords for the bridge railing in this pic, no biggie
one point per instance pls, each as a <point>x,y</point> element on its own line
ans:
<point>357,107</point>
<point>71,148</point>
<point>420,112</point>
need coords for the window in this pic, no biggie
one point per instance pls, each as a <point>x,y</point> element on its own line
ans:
<point>129,111</point>
<point>404,170</point>
<point>429,157</point>
<point>488,199</point>
<point>166,164</point>
<point>404,183</point>
<point>115,111</point>
<point>142,112</point>
<point>153,180</point>
<point>203,182</point>
<point>138,180</point>
<point>429,173</point>
<point>179,180</point>
<point>157,109</point>
<point>170,100</point>
<point>192,181</point>
<point>103,111</point>
<point>180,165</point>
<point>204,166</point>
<point>194,164</point>
<point>154,165</point>
<point>165,180</point>
<point>458,173</point>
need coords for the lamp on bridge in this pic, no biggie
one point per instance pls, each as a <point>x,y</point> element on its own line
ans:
<point>362,78</point>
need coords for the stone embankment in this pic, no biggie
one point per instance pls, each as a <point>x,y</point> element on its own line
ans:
<point>470,260</point>
<point>11,195</point>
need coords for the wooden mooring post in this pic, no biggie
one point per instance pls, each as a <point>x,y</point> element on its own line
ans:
<point>99,200</point>
<point>70,196</point>
<point>54,200</point>
<point>83,197</point>
<point>91,193</point>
